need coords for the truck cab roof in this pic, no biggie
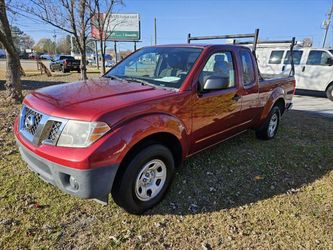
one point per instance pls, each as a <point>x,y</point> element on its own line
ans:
<point>202,45</point>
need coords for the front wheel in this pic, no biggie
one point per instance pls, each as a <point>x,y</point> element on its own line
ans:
<point>329,92</point>
<point>64,70</point>
<point>269,129</point>
<point>144,180</point>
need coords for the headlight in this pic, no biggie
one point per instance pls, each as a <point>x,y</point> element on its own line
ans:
<point>80,134</point>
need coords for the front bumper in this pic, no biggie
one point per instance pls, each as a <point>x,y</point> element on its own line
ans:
<point>90,184</point>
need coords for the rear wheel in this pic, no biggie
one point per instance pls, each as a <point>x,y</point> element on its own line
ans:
<point>329,92</point>
<point>269,129</point>
<point>145,179</point>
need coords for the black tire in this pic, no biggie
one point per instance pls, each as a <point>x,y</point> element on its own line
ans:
<point>78,71</point>
<point>329,92</point>
<point>267,132</point>
<point>64,70</point>
<point>124,191</point>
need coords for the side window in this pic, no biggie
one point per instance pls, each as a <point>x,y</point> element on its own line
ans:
<point>317,57</point>
<point>276,57</point>
<point>247,68</point>
<point>219,65</point>
<point>297,54</point>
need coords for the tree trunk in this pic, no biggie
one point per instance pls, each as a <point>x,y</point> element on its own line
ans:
<point>14,69</point>
<point>83,64</point>
<point>13,81</point>
<point>103,55</point>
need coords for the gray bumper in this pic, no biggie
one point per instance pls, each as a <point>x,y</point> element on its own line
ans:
<point>91,184</point>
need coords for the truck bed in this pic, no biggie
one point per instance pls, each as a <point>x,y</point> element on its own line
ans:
<point>281,84</point>
<point>274,76</point>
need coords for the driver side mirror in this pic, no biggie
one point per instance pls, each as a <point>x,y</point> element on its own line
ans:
<point>216,83</point>
<point>329,61</point>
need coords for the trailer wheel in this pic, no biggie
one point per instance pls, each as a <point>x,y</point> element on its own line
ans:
<point>144,180</point>
<point>329,92</point>
<point>269,129</point>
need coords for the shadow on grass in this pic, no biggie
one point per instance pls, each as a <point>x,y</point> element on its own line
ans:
<point>32,84</point>
<point>245,170</point>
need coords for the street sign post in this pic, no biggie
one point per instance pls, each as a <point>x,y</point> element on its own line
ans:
<point>124,27</point>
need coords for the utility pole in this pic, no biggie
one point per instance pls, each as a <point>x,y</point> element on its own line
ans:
<point>326,25</point>
<point>55,42</point>
<point>155,31</point>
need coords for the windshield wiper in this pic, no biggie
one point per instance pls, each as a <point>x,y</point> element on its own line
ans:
<point>143,82</point>
<point>115,77</point>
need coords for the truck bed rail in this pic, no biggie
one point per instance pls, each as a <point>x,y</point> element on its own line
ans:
<point>255,42</point>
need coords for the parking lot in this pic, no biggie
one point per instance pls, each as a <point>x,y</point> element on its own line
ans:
<point>314,105</point>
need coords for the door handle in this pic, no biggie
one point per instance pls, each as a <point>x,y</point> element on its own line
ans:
<point>303,69</point>
<point>283,68</point>
<point>236,98</point>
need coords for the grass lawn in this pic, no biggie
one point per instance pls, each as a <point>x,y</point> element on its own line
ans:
<point>243,193</point>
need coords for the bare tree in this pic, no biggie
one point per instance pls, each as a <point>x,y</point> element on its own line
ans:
<point>102,18</point>
<point>71,16</point>
<point>14,69</point>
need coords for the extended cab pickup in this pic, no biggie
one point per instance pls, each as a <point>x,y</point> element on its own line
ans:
<point>127,132</point>
<point>65,64</point>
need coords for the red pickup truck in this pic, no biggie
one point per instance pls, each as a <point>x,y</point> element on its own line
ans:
<point>127,132</point>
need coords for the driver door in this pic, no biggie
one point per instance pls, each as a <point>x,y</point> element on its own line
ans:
<point>215,113</point>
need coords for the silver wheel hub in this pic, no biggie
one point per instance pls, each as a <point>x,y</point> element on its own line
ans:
<point>273,125</point>
<point>150,180</point>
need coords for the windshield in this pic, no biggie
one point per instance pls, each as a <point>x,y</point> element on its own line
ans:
<point>158,66</point>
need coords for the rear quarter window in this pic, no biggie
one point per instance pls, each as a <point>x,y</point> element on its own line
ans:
<point>247,68</point>
<point>276,57</point>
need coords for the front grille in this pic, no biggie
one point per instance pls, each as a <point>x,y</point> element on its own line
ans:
<point>54,131</point>
<point>31,120</point>
<point>40,128</point>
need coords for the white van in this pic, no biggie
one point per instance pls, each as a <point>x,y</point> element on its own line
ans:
<point>313,67</point>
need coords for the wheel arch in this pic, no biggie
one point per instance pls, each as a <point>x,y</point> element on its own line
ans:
<point>328,85</point>
<point>164,138</point>
<point>280,102</point>
<point>276,98</point>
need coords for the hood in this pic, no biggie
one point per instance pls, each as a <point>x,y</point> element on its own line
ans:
<point>87,100</point>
